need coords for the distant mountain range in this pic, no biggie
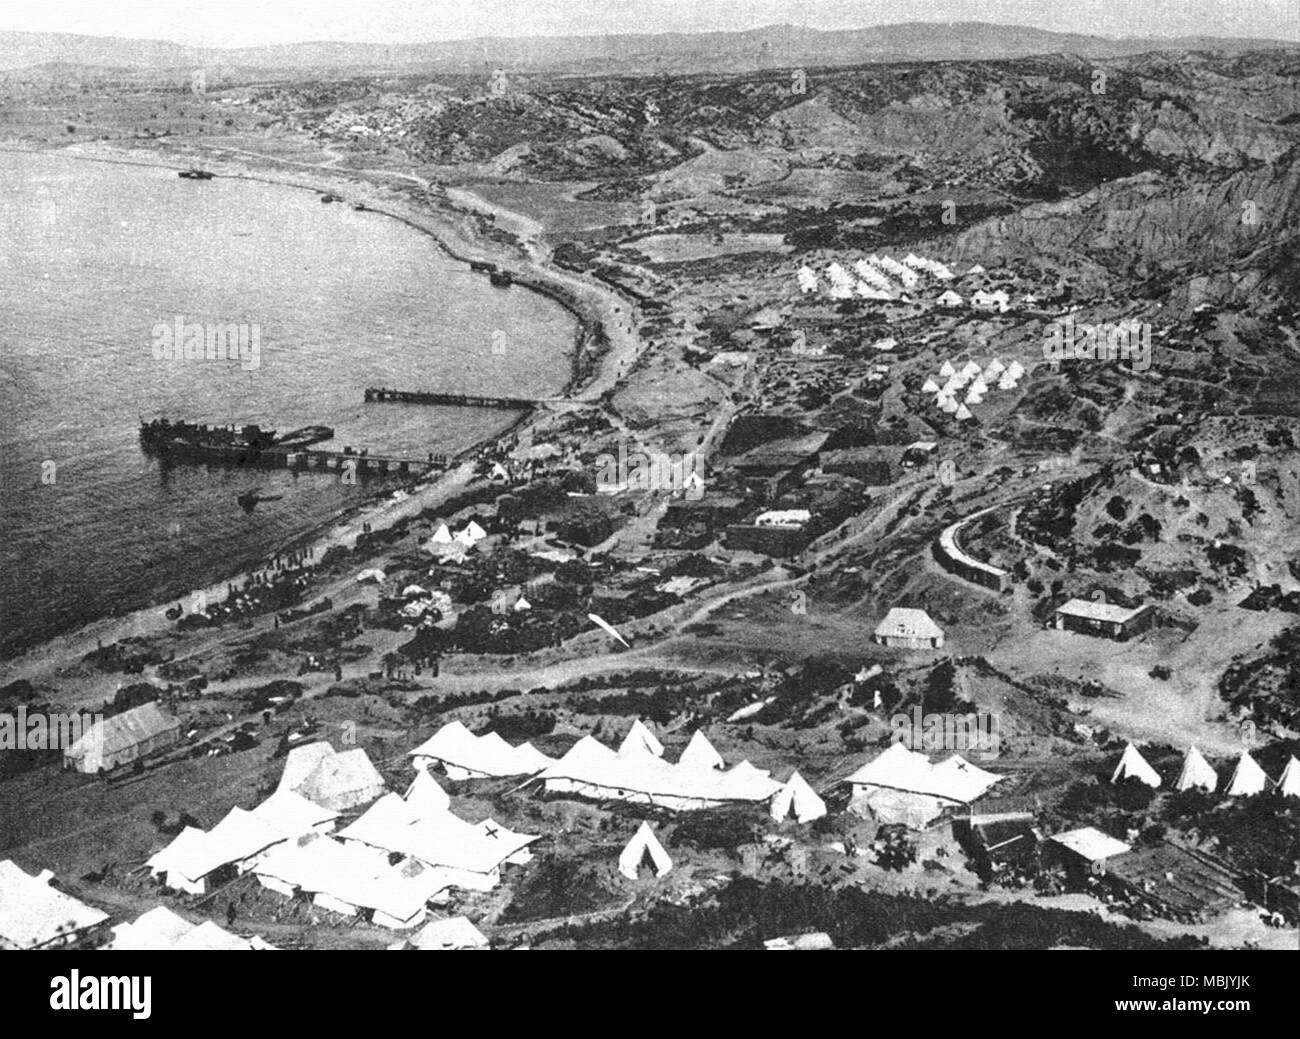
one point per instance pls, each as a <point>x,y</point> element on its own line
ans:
<point>676,53</point>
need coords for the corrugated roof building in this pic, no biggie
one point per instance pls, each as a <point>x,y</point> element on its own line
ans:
<point>1102,618</point>
<point>122,739</point>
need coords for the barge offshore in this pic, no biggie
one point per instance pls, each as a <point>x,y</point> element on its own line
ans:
<point>251,445</point>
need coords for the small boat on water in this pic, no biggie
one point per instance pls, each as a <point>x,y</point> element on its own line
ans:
<point>482,266</point>
<point>328,197</point>
<point>360,207</point>
<point>249,500</point>
<point>501,279</point>
<point>195,174</point>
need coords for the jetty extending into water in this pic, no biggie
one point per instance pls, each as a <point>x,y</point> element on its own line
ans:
<point>376,395</point>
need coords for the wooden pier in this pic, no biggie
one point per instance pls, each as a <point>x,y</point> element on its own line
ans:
<point>376,395</point>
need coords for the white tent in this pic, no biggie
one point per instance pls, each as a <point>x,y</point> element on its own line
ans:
<point>930,386</point>
<point>238,840</point>
<point>467,756</point>
<point>807,279</point>
<point>1196,773</point>
<point>963,413</point>
<point>592,770</point>
<point>471,534</point>
<point>995,367</point>
<point>377,576</point>
<point>34,915</point>
<point>425,795</point>
<point>446,935</point>
<point>441,536</point>
<point>346,878</point>
<point>1134,766</point>
<point>950,299</point>
<point>842,283</point>
<point>872,277</point>
<point>797,798</point>
<point>161,929</point>
<point>700,753</point>
<point>1289,784</point>
<point>464,854</point>
<point>902,786</point>
<point>949,405</point>
<point>293,815</point>
<point>341,780</point>
<point>1248,778</point>
<point>642,845</point>
<point>522,604</point>
<point>947,370</point>
<point>640,738</point>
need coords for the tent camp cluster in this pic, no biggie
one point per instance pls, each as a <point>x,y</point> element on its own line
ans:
<point>288,844</point>
<point>974,380</point>
<point>874,278</point>
<point>1247,779</point>
<point>403,852</point>
<point>195,859</point>
<point>446,545</point>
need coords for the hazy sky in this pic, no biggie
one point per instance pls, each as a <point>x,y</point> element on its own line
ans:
<point>236,23</point>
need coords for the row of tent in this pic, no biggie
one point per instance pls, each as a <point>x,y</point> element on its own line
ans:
<point>466,756</point>
<point>1247,780</point>
<point>446,545</point>
<point>636,772</point>
<point>876,277</point>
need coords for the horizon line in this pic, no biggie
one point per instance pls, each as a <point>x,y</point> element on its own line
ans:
<point>603,36</point>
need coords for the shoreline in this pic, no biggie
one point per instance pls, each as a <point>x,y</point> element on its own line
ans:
<point>385,506</point>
